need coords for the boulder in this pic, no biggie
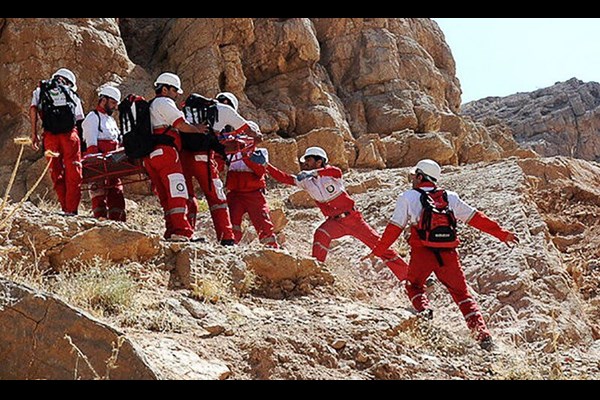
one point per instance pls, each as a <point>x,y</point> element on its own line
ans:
<point>371,152</point>
<point>406,148</point>
<point>34,341</point>
<point>282,274</point>
<point>282,154</point>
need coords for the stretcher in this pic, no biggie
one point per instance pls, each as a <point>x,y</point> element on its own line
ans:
<point>99,170</point>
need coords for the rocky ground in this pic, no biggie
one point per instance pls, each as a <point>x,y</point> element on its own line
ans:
<point>236,318</point>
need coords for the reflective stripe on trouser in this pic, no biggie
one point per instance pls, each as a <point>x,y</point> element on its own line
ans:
<point>108,201</point>
<point>422,263</point>
<point>196,166</point>
<point>66,170</point>
<point>164,168</point>
<point>255,204</point>
<point>354,225</point>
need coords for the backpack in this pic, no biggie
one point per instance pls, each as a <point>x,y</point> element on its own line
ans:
<point>58,107</point>
<point>437,224</point>
<point>201,110</point>
<point>136,127</point>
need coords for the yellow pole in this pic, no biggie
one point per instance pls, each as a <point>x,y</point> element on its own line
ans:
<point>49,154</point>
<point>22,141</point>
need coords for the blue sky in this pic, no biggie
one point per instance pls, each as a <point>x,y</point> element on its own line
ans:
<point>502,56</point>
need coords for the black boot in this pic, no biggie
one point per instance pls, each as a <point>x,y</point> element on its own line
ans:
<point>227,242</point>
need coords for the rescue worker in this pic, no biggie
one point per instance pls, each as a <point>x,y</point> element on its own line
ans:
<point>325,185</point>
<point>101,135</point>
<point>246,194</point>
<point>203,166</point>
<point>60,135</point>
<point>163,164</point>
<point>446,263</point>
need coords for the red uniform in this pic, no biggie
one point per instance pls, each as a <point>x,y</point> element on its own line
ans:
<point>203,166</point>
<point>423,260</point>
<point>327,189</point>
<point>245,194</point>
<point>66,171</point>
<point>164,168</point>
<point>101,133</point>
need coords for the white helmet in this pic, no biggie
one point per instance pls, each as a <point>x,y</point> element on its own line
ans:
<point>68,75</point>
<point>316,152</point>
<point>429,168</point>
<point>112,92</point>
<point>167,78</point>
<point>229,96</point>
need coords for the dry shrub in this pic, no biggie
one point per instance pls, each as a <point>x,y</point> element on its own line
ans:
<point>98,286</point>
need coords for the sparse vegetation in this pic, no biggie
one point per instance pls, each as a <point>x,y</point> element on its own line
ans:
<point>364,312</point>
<point>104,290</point>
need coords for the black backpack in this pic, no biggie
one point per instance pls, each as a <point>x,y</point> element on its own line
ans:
<point>58,107</point>
<point>136,128</point>
<point>201,110</point>
<point>437,225</point>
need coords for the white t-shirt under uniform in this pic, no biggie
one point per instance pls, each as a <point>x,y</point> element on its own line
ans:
<point>108,128</point>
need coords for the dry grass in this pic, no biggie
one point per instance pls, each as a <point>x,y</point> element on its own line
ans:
<point>209,288</point>
<point>102,288</point>
<point>111,362</point>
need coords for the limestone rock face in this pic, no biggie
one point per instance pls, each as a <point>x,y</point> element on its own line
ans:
<point>563,119</point>
<point>389,70</point>
<point>33,343</point>
<point>299,78</point>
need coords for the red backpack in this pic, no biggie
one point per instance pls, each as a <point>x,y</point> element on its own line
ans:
<point>437,225</point>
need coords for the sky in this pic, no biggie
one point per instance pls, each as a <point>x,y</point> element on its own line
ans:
<point>502,56</point>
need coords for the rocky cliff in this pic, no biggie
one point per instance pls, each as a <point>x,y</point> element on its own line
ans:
<point>375,93</point>
<point>563,119</point>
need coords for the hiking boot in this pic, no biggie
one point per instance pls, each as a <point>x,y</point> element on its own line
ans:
<point>487,343</point>
<point>178,238</point>
<point>227,242</point>
<point>195,239</point>
<point>426,314</point>
<point>429,282</point>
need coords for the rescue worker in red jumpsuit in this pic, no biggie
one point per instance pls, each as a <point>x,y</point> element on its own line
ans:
<point>65,170</point>
<point>325,185</point>
<point>246,194</point>
<point>203,166</point>
<point>101,135</point>
<point>424,261</point>
<point>163,164</point>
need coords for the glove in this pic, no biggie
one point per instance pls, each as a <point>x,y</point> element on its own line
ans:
<point>258,157</point>
<point>306,174</point>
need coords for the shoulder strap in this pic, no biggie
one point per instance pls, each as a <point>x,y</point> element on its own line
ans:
<point>98,115</point>
<point>66,93</point>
